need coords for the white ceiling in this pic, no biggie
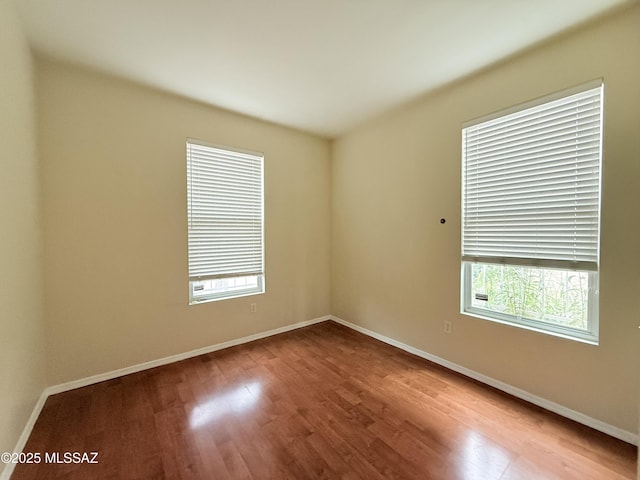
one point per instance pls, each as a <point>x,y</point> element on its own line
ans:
<point>322,66</point>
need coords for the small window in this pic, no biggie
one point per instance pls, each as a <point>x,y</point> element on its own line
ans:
<point>225,222</point>
<point>531,214</point>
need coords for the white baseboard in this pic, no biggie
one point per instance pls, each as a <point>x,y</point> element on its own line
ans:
<point>516,392</point>
<point>83,382</point>
<point>599,425</point>
<point>26,431</point>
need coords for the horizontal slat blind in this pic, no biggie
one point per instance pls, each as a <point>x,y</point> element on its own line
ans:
<point>224,208</point>
<point>531,185</point>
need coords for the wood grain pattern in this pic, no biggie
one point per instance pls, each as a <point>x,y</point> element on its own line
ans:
<point>319,402</point>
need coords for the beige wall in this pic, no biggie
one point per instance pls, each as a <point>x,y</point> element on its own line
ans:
<point>22,374</point>
<point>114,187</point>
<point>113,179</point>
<point>395,268</point>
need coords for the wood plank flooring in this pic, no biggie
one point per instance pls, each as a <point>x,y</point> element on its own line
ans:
<point>318,402</point>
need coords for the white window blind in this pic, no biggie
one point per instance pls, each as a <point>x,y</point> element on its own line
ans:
<point>225,212</point>
<point>531,183</point>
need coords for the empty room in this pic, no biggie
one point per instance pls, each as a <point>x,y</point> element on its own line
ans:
<point>340,239</point>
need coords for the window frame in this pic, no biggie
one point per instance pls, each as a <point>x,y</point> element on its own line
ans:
<point>232,293</point>
<point>194,280</point>
<point>589,335</point>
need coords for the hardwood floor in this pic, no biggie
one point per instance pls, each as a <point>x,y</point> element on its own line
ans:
<point>318,402</point>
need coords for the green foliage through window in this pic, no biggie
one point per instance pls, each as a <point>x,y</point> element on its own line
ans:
<point>552,296</point>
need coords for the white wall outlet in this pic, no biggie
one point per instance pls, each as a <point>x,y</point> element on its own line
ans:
<point>448,327</point>
<point>253,307</point>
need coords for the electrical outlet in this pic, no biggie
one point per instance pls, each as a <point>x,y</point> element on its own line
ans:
<point>254,308</point>
<point>448,327</point>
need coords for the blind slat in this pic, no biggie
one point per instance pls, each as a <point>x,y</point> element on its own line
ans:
<point>531,184</point>
<point>225,210</point>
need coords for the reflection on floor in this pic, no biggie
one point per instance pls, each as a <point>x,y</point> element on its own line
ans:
<point>318,402</point>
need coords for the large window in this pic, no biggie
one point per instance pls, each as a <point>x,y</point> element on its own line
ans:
<point>531,214</point>
<point>225,222</point>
